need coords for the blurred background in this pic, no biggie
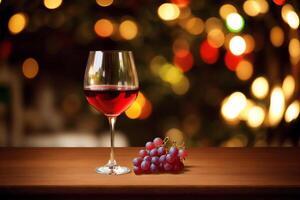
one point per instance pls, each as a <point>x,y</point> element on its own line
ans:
<point>212,73</point>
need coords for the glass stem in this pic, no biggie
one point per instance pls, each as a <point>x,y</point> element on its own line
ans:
<point>112,121</point>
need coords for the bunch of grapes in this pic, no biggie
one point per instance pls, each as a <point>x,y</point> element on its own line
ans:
<point>158,158</point>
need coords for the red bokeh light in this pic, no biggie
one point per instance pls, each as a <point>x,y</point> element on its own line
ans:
<point>208,53</point>
<point>181,3</point>
<point>279,2</point>
<point>231,61</point>
<point>184,60</point>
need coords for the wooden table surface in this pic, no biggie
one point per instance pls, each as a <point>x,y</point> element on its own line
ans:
<point>208,170</point>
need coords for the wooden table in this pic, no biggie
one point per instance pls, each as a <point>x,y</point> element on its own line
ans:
<point>210,172</point>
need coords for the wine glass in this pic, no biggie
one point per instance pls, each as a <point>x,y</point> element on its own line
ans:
<point>111,86</point>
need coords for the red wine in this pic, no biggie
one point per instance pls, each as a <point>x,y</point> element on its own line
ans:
<point>110,100</point>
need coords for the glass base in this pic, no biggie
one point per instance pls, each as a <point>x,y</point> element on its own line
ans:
<point>112,170</point>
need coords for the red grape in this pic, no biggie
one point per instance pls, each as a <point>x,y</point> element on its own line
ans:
<point>153,168</point>
<point>162,159</point>
<point>153,152</point>
<point>149,146</point>
<point>143,153</point>
<point>168,166</point>
<point>137,170</point>
<point>170,158</point>
<point>147,158</point>
<point>158,142</point>
<point>173,151</point>
<point>161,151</point>
<point>155,160</point>
<point>145,165</point>
<point>137,161</point>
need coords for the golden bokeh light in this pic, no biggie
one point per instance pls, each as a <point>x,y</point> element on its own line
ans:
<point>277,106</point>
<point>292,19</point>
<point>233,105</point>
<point>216,38</point>
<point>168,11</point>
<point>244,70</point>
<point>292,111</point>
<point>256,116</point>
<point>236,141</point>
<point>30,68</point>
<point>180,44</point>
<point>17,23</point>
<point>251,7</point>
<point>237,45</point>
<point>195,25</point>
<point>213,23</point>
<point>288,86</point>
<point>284,11</point>
<point>250,43</point>
<point>104,28</point>
<point>277,36</point>
<point>134,111</point>
<point>182,86</point>
<point>244,114</point>
<point>156,63</point>
<point>260,87</point>
<point>175,135</point>
<point>104,3</point>
<point>128,29</point>
<point>227,9</point>
<point>294,48</point>
<point>52,4</point>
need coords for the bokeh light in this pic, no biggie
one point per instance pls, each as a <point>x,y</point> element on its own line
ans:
<point>128,29</point>
<point>234,22</point>
<point>244,70</point>
<point>292,19</point>
<point>232,61</point>
<point>237,45</point>
<point>294,50</point>
<point>251,7</point>
<point>216,38</point>
<point>136,108</point>
<point>104,28</point>
<point>194,25</point>
<point>17,23</point>
<point>156,63</point>
<point>260,87</point>
<point>181,3</point>
<point>30,68</point>
<point>208,53</point>
<point>277,106</point>
<point>288,86</point>
<point>285,10</point>
<point>182,86</point>
<point>256,116</point>
<point>250,43</point>
<point>213,23</point>
<point>277,36</point>
<point>184,60</point>
<point>52,4</point>
<point>292,111</point>
<point>233,106</point>
<point>279,2</point>
<point>180,45</point>
<point>168,11</point>
<point>104,3</point>
<point>226,9</point>
<point>175,135</point>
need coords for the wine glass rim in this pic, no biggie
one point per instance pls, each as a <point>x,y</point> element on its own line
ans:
<point>111,51</point>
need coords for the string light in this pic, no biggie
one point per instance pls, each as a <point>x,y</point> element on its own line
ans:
<point>104,3</point>
<point>292,112</point>
<point>30,68</point>
<point>52,4</point>
<point>288,86</point>
<point>277,36</point>
<point>104,28</point>
<point>237,45</point>
<point>244,70</point>
<point>292,19</point>
<point>168,11</point>
<point>277,105</point>
<point>256,116</point>
<point>128,29</point>
<point>17,23</point>
<point>234,22</point>
<point>260,87</point>
<point>227,9</point>
<point>233,106</point>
